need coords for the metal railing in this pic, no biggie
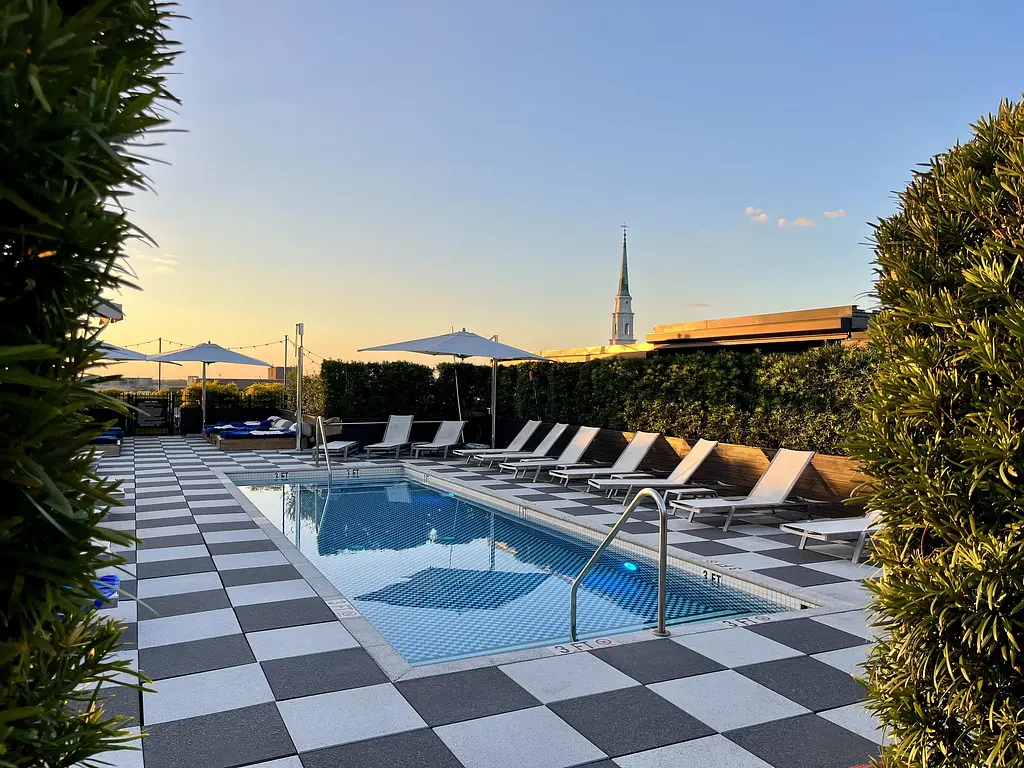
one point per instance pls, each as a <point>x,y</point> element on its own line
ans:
<point>660,631</point>
<point>321,439</point>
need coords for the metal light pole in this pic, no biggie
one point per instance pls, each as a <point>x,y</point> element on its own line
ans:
<point>284,378</point>
<point>494,397</point>
<point>159,366</point>
<point>298,387</point>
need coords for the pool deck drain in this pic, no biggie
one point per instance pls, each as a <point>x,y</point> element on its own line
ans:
<point>257,662</point>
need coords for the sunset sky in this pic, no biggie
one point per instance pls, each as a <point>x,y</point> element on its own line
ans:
<point>388,170</point>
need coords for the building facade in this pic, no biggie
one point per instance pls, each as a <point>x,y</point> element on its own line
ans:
<point>623,328</point>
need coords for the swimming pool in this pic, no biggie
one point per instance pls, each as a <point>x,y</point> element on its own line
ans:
<point>442,577</point>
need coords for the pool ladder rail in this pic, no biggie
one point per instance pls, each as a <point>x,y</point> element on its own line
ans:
<point>321,439</point>
<point>660,630</point>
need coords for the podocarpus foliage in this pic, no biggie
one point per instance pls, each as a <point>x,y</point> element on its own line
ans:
<point>941,435</point>
<point>80,83</point>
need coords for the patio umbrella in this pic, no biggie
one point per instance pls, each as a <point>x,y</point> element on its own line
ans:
<point>207,353</point>
<point>112,352</point>
<point>463,344</point>
<point>108,311</point>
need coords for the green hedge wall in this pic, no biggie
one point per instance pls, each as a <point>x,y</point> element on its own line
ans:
<point>362,390</point>
<point>779,400</point>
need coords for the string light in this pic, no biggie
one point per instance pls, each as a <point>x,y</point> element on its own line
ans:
<point>254,346</point>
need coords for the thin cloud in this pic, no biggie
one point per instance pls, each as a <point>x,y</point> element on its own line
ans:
<point>838,213</point>
<point>752,211</point>
<point>164,260</point>
<point>695,305</point>
<point>800,221</point>
<point>761,218</point>
<point>163,269</point>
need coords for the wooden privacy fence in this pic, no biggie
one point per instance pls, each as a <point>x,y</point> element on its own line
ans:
<point>829,478</point>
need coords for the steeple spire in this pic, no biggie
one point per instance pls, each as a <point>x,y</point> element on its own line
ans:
<point>622,316</point>
<point>624,269</point>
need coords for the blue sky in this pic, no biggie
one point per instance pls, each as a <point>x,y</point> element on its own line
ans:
<point>422,165</point>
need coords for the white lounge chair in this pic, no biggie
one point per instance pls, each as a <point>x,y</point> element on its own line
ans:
<point>837,529</point>
<point>517,444</point>
<point>396,436</point>
<point>628,461</point>
<point>541,451</point>
<point>448,434</point>
<point>333,441</point>
<point>771,491</point>
<point>678,480</point>
<point>570,457</point>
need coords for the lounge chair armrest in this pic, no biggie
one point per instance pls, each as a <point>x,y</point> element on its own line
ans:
<point>631,475</point>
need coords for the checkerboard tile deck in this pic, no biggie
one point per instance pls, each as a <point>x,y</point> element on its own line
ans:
<point>252,668</point>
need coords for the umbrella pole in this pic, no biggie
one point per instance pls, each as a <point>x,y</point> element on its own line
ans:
<point>494,401</point>
<point>203,426</point>
<point>458,400</point>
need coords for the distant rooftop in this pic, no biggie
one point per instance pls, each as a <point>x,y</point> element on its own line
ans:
<point>800,329</point>
<point>780,331</point>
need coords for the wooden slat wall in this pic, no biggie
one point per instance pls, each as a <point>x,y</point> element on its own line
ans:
<point>829,478</point>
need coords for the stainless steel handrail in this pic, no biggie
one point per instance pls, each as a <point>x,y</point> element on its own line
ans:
<point>322,433</point>
<point>660,631</point>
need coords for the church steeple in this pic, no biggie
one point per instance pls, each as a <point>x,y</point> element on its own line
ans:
<point>624,269</point>
<point>622,315</point>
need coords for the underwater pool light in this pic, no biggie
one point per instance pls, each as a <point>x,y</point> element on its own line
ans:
<point>630,566</point>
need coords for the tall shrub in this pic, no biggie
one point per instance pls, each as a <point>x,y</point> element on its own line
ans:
<point>376,390</point>
<point>941,435</point>
<point>80,83</point>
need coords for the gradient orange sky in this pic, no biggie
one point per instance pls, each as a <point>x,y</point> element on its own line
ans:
<point>389,171</point>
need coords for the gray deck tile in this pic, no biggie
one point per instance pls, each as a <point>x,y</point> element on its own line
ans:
<point>342,717</point>
<point>287,613</point>
<point>256,575</point>
<point>450,698</point>
<point>316,673</point>
<point>808,682</point>
<point>190,626</point>
<point>223,740</point>
<point>195,656</point>
<point>174,567</point>
<point>237,547</point>
<point>176,605</point>
<point>292,642</point>
<point>807,636</point>
<point>630,720</point>
<point>804,742</point>
<point>206,693</point>
<point>527,738</point>
<point>706,548</point>
<point>708,752</point>
<point>800,576</point>
<point>270,592</point>
<point>727,700</point>
<point>736,647</point>
<point>567,677</point>
<point>655,660</point>
<point>412,749</point>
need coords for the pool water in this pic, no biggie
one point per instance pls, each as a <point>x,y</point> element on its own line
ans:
<point>442,578</point>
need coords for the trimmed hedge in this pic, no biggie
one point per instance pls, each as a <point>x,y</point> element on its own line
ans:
<point>81,88</point>
<point>804,401</point>
<point>365,390</point>
<point>941,436</point>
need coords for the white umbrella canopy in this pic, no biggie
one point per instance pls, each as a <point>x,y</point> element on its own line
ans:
<point>113,352</point>
<point>207,353</point>
<point>459,344</point>
<point>463,344</point>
